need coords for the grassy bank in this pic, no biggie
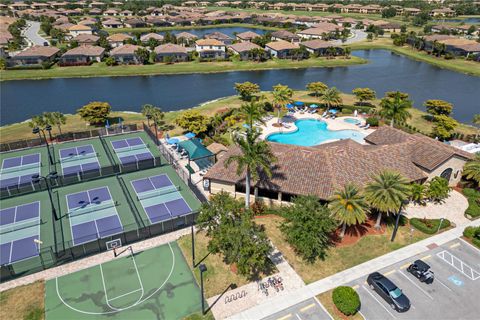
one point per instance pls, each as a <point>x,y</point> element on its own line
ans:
<point>458,65</point>
<point>175,28</point>
<point>102,70</point>
<point>74,123</point>
<point>23,302</point>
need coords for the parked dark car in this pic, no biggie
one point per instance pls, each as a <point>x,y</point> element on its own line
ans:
<point>421,271</point>
<point>389,292</point>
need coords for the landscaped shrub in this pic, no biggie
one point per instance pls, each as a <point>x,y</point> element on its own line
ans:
<point>372,121</point>
<point>473,209</point>
<point>473,233</point>
<point>346,299</point>
<point>469,232</point>
<point>429,226</point>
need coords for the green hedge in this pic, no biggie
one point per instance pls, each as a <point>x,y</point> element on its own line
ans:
<point>473,233</point>
<point>473,209</point>
<point>429,226</point>
<point>346,299</point>
<point>373,121</point>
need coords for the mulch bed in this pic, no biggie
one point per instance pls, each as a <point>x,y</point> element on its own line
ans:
<point>353,234</point>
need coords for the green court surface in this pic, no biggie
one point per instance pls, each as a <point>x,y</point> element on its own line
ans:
<point>184,190</point>
<point>44,162</point>
<point>94,142</point>
<point>141,134</point>
<point>152,284</point>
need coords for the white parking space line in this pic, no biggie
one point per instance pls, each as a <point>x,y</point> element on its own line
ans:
<point>416,285</point>
<point>368,291</point>
<point>470,245</point>
<point>458,264</point>
<point>363,316</point>
<point>298,317</point>
<point>443,284</point>
<point>323,308</point>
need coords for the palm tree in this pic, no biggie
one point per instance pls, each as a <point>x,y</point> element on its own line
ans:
<point>154,113</point>
<point>255,156</point>
<point>56,119</point>
<point>348,206</point>
<point>37,121</point>
<point>281,96</point>
<point>471,170</point>
<point>386,193</point>
<point>476,122</point>
<point>331,98</point>
<point>252,112</point>
<point>395,108</point>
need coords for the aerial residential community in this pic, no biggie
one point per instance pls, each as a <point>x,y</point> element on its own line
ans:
<point>301,160</point>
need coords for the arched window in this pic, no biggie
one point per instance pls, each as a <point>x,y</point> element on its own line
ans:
<point>447,173</point>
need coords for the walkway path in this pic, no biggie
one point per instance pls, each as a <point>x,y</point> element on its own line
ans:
<point>452,209</point>
<point>262,310</point>
<point>91,261</point>
<point>244,297</point>
<point>31,34</point>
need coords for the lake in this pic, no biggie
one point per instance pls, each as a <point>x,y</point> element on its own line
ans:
<point>472,20</point>
<point>229,31</point>
<point>386,72</point>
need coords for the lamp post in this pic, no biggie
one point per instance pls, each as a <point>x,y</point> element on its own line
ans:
<point>52,175</point>
<point>397,221</point>
<point>202,267</point>
<point>40,131</point>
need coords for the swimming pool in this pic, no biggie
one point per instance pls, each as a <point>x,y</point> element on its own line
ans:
<point>351,120</point>
<point>312,132</point>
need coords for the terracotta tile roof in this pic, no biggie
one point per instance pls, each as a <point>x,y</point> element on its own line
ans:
<point>85,50</point>
<point>322,169</point>
<point>209,42</point>
<point>282,45</point>
<point>248,35</point>
<point>243,46</point>
<point>118,37</point>
<point>218,36</point>
<point>423,151</point>
<point>79,27</point>
<point>152,35</point>
<point>317,44</point>
<point>125,49</point>
<point>186,35</point>
<point>285,35</point>
<point>39,51</point>
<point>170,48</point>
<point>320,28</point>
<point>86,38</point>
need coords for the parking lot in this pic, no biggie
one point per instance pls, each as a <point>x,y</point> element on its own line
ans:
<point>310,309</point>
<point>454,294</point>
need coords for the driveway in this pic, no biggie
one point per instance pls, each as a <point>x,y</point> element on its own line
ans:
<point>31,33</point>
<point>453,209</point>
<point>358,35</point>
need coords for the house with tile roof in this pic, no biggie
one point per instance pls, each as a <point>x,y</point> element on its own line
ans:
<point>126,54</point>
<point>243,49</point>
<point>35,55</point>
<point>210,49</point>
<point>170,52</point>
<point>82,55</point>
<point>322,169</point>
<point>281,49</point>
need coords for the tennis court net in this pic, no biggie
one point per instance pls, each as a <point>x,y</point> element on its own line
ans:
<point>80,157</point>
<point>19,225</point>
<point>129,148</point>
<point>91,207</point>
<point>20,168</point>
<point>157,192</point>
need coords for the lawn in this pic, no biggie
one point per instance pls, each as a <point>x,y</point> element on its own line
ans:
<point>458,65</point>
<point>339,258</point>
<point>23,302</point>
<point>326,299</point>
<point>102,70</point>
<point>219,275</point>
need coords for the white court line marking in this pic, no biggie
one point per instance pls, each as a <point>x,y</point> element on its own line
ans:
<point>368,291</point>
<point>323,308</point>
<point>125,294</point>
<point>126,308</point>
<point>416,285</point>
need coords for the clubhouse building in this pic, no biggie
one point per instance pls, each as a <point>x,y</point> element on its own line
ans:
<point>322,169</point>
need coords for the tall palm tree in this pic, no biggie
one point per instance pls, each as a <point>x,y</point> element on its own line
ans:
<point>38,121</point>
<point>386,193</point>
<point>56,119</point>
<point>471,170</point>
<point>252,112</point>
<point>476,122</point>
<point>348,206</point>
<point>395,108</point>
<point>255,156</point>
<point>331,98</point>
<point>281,96</point>
<point>155,113</point>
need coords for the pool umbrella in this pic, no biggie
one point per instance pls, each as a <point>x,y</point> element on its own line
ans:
<point>334,111</point>
<point>190,135</point>
<point>313,106</point>
<point>173,140</point>
<point>289,106</point>
<point>299,103</point>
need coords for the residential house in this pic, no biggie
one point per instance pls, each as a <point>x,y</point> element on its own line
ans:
<point>281,49</point>
<point>186,38</point>
<point>83,39</point>
<point>112,23</point>
<point>247,36</point>
<point>82,55</point>
<point>79,29</point>
<point>320,31</point>
<point>170,52</point>
<point>222,37</point>
<point>125,54</point>
<point>321,48</point>
<point>243,49</point>
<point>443,12</point>
<point>155,36</point>
<point>35,55</point>
<point>110,13</point>
<point>118,39</point>
<point>95,12</point>
<point>210,49</point>
<point>323,169</point>
<point>285,36</point>
<point>135,23</point>
<point>126,13</point>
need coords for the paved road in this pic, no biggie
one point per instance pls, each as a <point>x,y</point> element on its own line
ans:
<point>31,33</point>
<point>358,35</point>
<point>310,309</point>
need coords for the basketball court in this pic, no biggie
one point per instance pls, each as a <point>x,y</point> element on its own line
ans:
<point>152,284</point>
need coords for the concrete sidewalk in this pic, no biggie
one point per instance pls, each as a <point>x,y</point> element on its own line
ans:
<point>282,302</point>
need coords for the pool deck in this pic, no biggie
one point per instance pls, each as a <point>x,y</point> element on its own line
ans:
<point>332,124</point>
